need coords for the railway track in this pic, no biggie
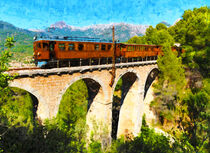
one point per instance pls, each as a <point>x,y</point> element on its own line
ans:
<point>25,68</point>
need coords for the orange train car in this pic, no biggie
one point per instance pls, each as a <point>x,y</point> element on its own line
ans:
<point>74,51</point>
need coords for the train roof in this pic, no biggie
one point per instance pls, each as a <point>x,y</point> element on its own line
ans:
<point>138,44</point>
<point>71,38</point>
<point>82,39</point>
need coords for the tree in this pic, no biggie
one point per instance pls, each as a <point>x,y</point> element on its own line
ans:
<point>171,84</point>
<point>193,33</point>
<point>10,42</point>
<point>161,26</point>
<point>4,60</point>
<point>137,40</point>
<point>158,36</point>
<point>194,123</point>
<point>4,78</point>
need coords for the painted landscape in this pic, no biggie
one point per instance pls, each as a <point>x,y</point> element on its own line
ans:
<point>176,113</point>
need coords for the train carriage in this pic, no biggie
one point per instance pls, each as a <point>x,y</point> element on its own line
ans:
<point>74,51</point>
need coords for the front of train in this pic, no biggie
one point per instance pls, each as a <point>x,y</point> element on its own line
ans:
<point>41,52</point>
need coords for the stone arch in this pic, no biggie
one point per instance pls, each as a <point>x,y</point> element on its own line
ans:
<point>122,74</point>
<point>97,103</point>
<point>43,109</point>
<point>89,79</point>
<point>129,114</point>
<point>149,80</point>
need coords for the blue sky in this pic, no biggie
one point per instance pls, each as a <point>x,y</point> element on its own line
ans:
<point>39,14</point>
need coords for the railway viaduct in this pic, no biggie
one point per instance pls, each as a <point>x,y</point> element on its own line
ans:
<point>49,85</point>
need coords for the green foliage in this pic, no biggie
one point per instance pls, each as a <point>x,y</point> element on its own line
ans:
<point>170,87</point>
<point>137,40</point>
<point>119,85</point>
<point>48,139</point>
<point>161,26</point>
<point>94,147</point>
<point>10,42</point>
<point>16,120</point>
<point>4,78</point>
<point>23,40</point>
<point>72,111</point>
<point>21,133</point>
<point>147,141</point>
<point>158,36</point>
<point>17,110</point>
<point>193,33</point>
<point>194,122</point>
<point>74,104</point>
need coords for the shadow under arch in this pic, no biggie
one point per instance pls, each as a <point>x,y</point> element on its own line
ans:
<point>93,89</point>
<point>150,78</point>
<point>124,84</point>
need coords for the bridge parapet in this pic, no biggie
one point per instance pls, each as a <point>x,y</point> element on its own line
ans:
<point>71,70</point>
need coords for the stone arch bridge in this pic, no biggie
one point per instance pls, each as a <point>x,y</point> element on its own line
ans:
<point>49,85</point>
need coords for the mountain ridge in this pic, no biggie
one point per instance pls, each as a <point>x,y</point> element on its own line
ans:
<point>123,31</point>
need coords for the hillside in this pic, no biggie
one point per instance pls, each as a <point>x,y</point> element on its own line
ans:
<point>24,38</point>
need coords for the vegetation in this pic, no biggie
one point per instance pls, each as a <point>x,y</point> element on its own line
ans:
<point>183,108</point>
<point>23,41</point>
<point>192,32</point>
<point>147,142</point>
<point>158,36</point>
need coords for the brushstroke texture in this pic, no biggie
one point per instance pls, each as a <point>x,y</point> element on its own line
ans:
<point>38,14</point>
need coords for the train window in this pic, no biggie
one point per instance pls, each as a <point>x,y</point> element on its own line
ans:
<point>109,47</point>
<point>45,46</point>
<point>80,47</point>
<point>103,47</point>
<point>96,46</point>
<point>52,46</point>
<point>39,45</point>
<point>130,48</point>
<point>71,46</point>
<point>61,47</point>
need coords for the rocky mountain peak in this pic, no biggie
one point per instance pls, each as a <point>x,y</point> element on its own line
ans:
<point>60,25</point>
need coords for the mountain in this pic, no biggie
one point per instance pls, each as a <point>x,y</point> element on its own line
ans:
<point>23,38</point>
<point>123,31</point>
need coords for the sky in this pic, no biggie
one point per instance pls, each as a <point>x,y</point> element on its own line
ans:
<point>39,14</point>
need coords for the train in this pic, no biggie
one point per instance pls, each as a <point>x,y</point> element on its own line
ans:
<point>80,51</point>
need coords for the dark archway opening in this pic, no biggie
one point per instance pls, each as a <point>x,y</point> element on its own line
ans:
<point>121,90</point>
<point>93,89</point>
<point>151,77</point>
<point>35,103</point>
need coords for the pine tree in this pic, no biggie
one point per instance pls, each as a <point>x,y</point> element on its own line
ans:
<point>171,83</point>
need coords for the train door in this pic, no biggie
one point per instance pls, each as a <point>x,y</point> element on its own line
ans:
<point>52,49</point>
